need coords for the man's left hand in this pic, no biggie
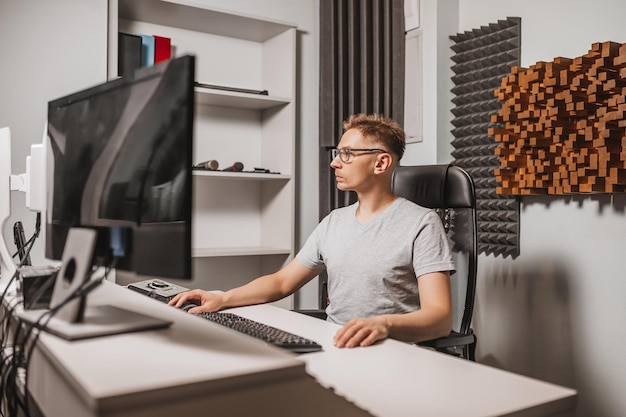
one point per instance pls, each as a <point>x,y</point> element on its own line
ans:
<point>361,332</point>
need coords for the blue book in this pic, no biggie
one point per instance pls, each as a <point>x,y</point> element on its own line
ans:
<point>147,50</point>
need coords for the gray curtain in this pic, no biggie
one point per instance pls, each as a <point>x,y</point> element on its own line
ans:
<point>361,71</point>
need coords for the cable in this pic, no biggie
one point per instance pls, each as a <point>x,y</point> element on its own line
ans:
<point>6,365</point>
<point>20,359</point>
<point>22,348</point>
<point>7,317</point>
<point>86,287</point>
<point>32,238</point>
<point>31,243</point>
<point>8,368</point>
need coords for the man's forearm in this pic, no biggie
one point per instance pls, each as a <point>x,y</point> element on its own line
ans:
<point>264,289</point>
<point>419,325</point>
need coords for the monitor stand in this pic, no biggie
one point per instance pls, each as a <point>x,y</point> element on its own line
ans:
<point>71,318</point>
<point>97,321</point>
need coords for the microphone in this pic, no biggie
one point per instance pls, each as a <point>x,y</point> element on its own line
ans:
<point>236,166</point>
<point>211,165</point>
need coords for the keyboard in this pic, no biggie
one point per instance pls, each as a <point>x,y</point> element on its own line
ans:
<point>269,334</point>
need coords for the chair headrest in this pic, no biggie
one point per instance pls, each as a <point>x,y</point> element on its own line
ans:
<point>435,186</point>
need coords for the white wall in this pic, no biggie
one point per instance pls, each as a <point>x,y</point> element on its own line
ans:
<point>436,21</point>
<point>48,49</point>
<point>557,311</point>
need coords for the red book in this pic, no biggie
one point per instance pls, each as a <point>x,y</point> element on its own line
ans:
<point>162,48</point>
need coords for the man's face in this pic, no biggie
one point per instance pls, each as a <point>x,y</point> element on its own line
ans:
<point>358,172</point>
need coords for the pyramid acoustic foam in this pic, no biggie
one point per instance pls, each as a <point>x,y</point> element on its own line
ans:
<point>482,58</point>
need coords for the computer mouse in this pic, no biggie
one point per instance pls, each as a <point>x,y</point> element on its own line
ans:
<point>188,306</point>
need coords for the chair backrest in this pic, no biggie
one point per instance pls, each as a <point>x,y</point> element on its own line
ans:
<point>450,191</point>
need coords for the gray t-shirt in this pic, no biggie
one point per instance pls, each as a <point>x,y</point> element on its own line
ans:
<point>373,267</point>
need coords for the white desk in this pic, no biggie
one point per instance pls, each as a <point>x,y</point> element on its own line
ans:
<point>394,379</point>
<point>196,366</point>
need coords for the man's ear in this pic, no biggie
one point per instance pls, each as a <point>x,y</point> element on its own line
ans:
<point>384,162</point>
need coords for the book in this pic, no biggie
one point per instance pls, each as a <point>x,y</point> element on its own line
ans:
<point>162,48</point>
<point>128,53</point>
<point>147,50</point>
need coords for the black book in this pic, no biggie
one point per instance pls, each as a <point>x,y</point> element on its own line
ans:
<point>128,53</point>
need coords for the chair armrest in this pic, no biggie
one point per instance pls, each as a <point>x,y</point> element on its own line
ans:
<point>318,314</point>
<point>453,339</point>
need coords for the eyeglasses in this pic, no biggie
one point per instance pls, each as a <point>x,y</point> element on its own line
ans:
<point>345,154</point>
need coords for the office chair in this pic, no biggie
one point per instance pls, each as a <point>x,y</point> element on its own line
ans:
<point>450,191</point>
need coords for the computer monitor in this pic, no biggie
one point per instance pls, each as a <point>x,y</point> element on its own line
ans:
<point>120,159</point>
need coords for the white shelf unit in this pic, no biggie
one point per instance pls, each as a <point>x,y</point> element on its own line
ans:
<point>243,222</point>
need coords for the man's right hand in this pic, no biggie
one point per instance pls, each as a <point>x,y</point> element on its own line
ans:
<point>206,301</point>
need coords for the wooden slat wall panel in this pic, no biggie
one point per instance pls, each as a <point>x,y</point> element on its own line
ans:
<point>563,125</point>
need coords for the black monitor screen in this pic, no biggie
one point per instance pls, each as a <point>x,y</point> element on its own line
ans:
<point>121,157</point>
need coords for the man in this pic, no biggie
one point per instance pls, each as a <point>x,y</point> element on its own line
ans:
<point>387,259</point>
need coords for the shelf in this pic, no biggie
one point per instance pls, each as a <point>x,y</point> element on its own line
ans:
<point>221,98</point>
<point>243,222</point>
<point>237,251</point>
<point>194,16</point>
<point>247,176</point>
